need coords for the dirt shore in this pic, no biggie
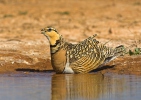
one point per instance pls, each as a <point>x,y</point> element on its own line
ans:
<point>23,48</point>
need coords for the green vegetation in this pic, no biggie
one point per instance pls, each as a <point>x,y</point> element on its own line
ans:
<point>63,13</point>
<point>7,15</point>
<point>137,3</point>
<point>22,12</point>
<point>2,1</point>
<point>137,51</point>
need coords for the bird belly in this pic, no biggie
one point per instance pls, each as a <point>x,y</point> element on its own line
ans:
<point>68,69</point>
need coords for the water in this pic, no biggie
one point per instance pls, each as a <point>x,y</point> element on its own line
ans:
<point>50,86</point>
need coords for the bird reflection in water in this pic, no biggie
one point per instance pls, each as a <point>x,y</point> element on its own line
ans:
<point>76,86</point>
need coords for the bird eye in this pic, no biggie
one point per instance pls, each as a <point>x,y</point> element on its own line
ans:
<point>49,29</point>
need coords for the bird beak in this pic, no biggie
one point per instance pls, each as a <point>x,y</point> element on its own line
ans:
<point>42,31</point>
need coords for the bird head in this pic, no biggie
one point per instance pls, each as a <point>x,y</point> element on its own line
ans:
<point>51,34</point>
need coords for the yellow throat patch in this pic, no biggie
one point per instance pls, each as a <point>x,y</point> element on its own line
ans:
<point>53,37</point>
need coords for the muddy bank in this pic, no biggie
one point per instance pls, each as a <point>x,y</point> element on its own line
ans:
<point>124,65</point>
<point>14,62</point>
<point>23,48</point>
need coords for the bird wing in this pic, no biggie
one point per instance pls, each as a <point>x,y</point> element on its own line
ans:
<point>87,63</point>
<point>88,55</point>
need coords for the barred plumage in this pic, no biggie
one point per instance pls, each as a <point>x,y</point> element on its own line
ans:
<point>78,58</point>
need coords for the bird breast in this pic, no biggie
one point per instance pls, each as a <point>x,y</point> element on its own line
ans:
<point>58,60</point>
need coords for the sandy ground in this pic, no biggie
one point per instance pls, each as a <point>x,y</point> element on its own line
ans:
<point>23,48</point>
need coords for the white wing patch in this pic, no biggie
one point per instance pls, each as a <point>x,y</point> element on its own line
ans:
<point>68,69</point>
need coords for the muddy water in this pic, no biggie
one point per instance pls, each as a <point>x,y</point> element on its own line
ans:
<point>50,86</point>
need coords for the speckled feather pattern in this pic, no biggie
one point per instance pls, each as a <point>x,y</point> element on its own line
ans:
<point>82,57</point>
<point>88,55</point>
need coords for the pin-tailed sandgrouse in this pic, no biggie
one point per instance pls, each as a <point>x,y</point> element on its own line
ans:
<point>78,58</point>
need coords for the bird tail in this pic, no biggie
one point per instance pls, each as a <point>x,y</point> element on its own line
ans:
<point>119,51</point>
